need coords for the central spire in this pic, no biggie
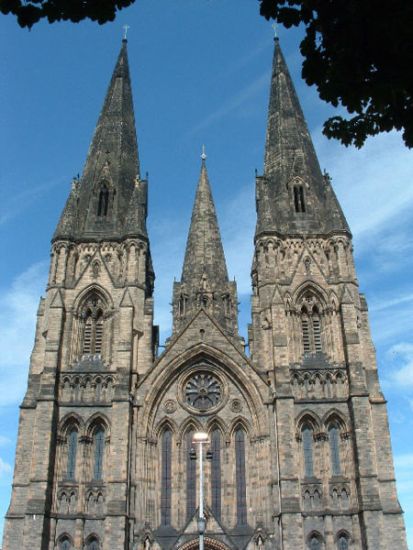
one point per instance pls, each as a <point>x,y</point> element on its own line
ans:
<point>204,281</point>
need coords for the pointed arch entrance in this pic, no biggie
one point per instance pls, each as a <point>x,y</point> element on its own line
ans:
<point>209,544</point>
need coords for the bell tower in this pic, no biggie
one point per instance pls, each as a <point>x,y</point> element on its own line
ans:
<point>310,336</point>
<point>94,338</point>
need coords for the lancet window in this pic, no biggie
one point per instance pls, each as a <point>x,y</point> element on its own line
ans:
<point>334,440</point>
<point>216,473</point>
<point>307,442</point>
<point>103,202</point>
<point>299,204</point>
<point>93,544</point>
<point>315,542</point>
<point>65,544</point>
<point>71,453</point>
<point>166,477</point>
<point>343,542</point>
<point>98,452</point>
<point>190,477</point>
<point>93,325</point>
<point>311,329</point>
<point>240,476</point>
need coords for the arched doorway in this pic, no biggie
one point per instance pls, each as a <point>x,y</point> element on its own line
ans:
<point>209,544</point>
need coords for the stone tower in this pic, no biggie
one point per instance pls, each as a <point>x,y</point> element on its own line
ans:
<point>300,450</point>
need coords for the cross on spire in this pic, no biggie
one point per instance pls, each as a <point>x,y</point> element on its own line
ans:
<point>203,154</point>
<point>125,31</point>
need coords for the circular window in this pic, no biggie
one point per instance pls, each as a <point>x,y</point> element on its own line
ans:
<point>203,391</point>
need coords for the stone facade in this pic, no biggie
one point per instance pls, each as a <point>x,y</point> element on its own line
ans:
<point>298,428</point>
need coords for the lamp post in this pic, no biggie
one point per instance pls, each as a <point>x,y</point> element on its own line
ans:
<point>201,439</point>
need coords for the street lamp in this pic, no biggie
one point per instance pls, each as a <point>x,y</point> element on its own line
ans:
<point>201,439</point>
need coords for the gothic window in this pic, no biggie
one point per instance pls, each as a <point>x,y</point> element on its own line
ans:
<point>166,477</point>
<point>343,542</point>
<point>240,477</point>
<point>299,203</point>
<point>65,544</point>
<point>203,391</point>
<point>98,452</point>
<point>216,473</point>
<point>71,454</point>
<point>307,438</point>
<point>103,204</point>
<point>315,542</point>
<point>311,330</point>
<point>306,332</point>
<point>93,319</point>
<point>334,440</point>
<point>93,544</point>
<point>190,478</point>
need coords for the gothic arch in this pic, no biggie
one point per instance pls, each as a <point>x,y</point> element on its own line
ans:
<point>308,417</point>
<point>334,417</point>
<point>210,544</point>
<point>186,426</point>
<point>217,423</point>
<point>166,424</point>
<point>99,290</point>
<point>69,420</point>
<point>310,288</point>
<point>240,422</point>
<point>220,362</point>
<point>96,420</point>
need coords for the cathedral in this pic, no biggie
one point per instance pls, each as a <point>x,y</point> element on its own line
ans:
<point>296,448</point>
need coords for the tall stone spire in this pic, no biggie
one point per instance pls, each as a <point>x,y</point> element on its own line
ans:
<point>293,195</point>
<point>100,203</point>
<point>204,281</point>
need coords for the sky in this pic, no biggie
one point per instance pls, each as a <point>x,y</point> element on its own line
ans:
<point>200,72</point>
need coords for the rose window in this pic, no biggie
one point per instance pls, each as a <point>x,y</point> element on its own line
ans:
<point>203,391</point>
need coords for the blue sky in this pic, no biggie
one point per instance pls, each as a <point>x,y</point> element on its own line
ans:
<point>200,72</point>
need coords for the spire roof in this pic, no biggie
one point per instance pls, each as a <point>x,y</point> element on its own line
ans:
<point>112,163</point>
<point>290,159</point>
<point>204,254</point>
<point>204,281</point>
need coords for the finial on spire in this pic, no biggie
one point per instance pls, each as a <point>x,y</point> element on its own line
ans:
<point>274,26</point>
<point>203,154</point>
<point>125,31</point>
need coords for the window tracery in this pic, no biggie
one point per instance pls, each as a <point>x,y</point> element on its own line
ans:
<point>311,325</point>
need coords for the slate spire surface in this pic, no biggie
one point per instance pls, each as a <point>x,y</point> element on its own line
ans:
<point>204,281</point>
<point>291,161</point>
<point>110,186</point>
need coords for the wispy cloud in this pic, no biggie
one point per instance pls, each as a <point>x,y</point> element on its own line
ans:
<point>373,183</point>
<point>232,104</point>
<point>401,359</point>
<point>18,306</point>
<point>16,203</point>
<point>5,468</point>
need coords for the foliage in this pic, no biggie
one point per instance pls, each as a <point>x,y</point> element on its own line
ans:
<point>359,55</point>
<point>29,12</point>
